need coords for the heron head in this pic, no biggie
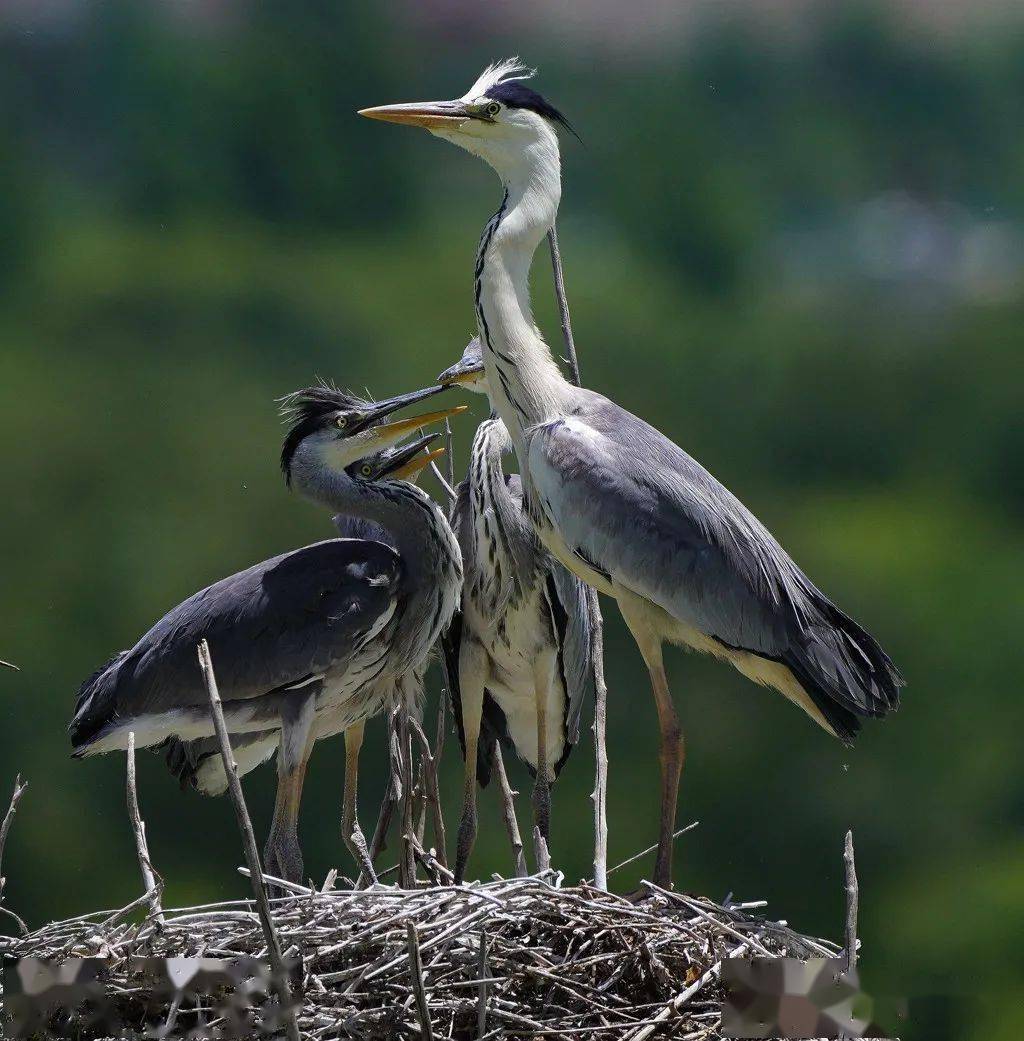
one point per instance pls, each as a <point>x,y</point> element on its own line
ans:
<point>499,118</point>
<point>468,371</point>
<point>332,429</point>
<point>402,463</point>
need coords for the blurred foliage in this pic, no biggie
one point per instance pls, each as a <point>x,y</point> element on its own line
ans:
<point>193,222</point>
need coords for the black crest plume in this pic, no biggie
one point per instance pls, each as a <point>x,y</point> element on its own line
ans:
<point>516,94</point>
<point>307,411</point>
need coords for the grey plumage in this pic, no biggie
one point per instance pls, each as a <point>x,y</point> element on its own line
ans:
<point>308,643</point>
<point>294,620</point>
<point>518,653</point>
<point>510,579</point>
<point>672,533</point>
<point>613,499</point>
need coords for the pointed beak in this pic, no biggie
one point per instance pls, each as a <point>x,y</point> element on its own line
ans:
<point>414,466</point>
<point>458,373</point>
<point>432,115</point>
<point>387,434</point>
<point>401,458</point>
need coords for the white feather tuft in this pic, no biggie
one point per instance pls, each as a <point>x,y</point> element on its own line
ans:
<point>499,72</point>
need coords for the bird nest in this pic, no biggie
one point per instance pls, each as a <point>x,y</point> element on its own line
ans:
<point>521,957</point>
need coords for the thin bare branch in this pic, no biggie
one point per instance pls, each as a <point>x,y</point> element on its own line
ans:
<point>418,986</point>
<point>852,903</point>
<point>151,879</point>
<point>252,856</point>
<point>600,793</point>
<point>508,813</point>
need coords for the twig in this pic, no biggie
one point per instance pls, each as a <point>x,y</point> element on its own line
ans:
<point>683,997</point>
<point>249,842</point>
<point>10,665</point>
<point>508,812</point>
<point>431,785</point>
<point>12,809</point>
<point>481,992</point>
<point>150,879</point>
<point>407,859</point>
<point>651,849</point>
<point>5,827</point>
<point>852,901</point>
<point>600,793</point>
<point>419,989</point>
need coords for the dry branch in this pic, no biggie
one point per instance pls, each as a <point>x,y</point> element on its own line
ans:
<point>252,856</point>
<point>852,901</point>
<point>600,793</point>
<point>5,827</point>
<point>151,880</point>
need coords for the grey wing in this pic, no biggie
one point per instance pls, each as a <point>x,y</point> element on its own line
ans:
<point>279,623</point>
<point>657,523</point>
<point>636,506</point>
<point>568,597</point>
<point>360,528</point>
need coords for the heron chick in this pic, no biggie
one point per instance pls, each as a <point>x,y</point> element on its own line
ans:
<point>518,653</point>
<point>323,629</point>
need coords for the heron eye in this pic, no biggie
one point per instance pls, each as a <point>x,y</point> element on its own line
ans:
<point>341,422</point>
<point>492,109</point>
<point>366,469</point>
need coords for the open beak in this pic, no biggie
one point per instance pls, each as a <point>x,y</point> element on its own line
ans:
<point>432,115</point>
<point>413,467</point>
<point>458,373</point>
<point>399,459</point>
<point>387,434</point>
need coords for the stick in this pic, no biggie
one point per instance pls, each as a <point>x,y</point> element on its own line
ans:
<point>651,849</point>
<point>431,785</point>
<point>481,992</point>
<point>407,859</point>
<point>852,900</point>
<point>12,809</point>
<point>508,813</point>
<point>249,843</point>
<point>600,793</point>
<point>10,665</point>
<point>416,967</point>
<point>150,879</point>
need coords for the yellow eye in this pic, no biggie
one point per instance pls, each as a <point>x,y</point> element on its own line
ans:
<point>341,422</point>
<point>493,109</point>
<point>366,469</point>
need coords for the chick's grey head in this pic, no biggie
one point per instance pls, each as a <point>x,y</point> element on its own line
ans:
<point>332,429</point>
<point>468,372</point>
<point>500,119</point>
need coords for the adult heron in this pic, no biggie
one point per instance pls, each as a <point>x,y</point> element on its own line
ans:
<point>198,764</point>
<point>519,651</point>
<point>323,629</point>
<point>614,499</point>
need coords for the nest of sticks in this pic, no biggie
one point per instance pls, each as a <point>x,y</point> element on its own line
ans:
<point>514,957</point>
<point>522,957</point>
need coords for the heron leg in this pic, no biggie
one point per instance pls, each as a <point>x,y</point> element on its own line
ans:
<point>472,677</point>
<point>672,750</point>
<point>283,854</point>
<point>543,672</point>
<point>350,830</point>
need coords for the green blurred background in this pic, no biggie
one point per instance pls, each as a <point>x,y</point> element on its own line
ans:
<point>793,241</point>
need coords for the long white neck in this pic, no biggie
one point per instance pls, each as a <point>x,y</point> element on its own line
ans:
<point>526,385</point>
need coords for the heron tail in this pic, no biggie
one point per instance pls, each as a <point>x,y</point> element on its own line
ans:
<point>95,705</point>
<point>843,669</point>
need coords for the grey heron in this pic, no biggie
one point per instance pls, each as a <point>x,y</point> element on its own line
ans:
<point>315,632</point>
<point>614,499</point>
<point>519,650</point>
<point>198,764</point>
